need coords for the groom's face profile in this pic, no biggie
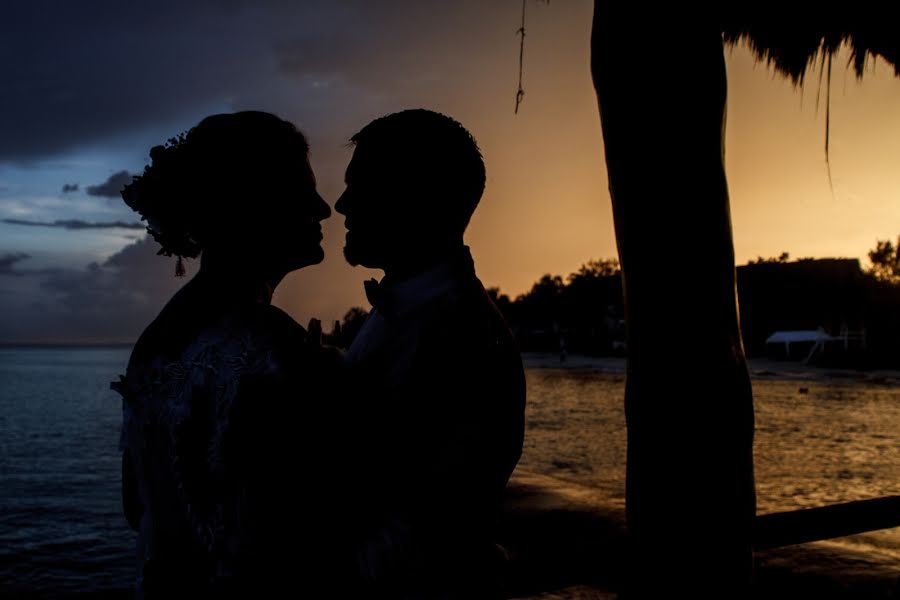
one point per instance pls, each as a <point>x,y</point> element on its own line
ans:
<point>413,183</point>
<point>372,205</point>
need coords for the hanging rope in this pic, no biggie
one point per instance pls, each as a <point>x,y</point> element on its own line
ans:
<point>828,123</point>
<point>520,93</point>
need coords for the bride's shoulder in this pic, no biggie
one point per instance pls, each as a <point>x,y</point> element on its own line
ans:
<point>281,327</point>
<point>256,340</point>
<point>259,341</point>
<point>254,329</point>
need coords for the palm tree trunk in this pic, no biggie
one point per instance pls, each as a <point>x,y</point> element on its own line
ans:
<point>661,90</point>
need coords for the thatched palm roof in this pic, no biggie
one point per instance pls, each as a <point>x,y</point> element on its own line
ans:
<point>792,47</point>
<point>793,44</point>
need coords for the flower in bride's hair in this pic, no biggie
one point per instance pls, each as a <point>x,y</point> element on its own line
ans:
<point>159,194</point>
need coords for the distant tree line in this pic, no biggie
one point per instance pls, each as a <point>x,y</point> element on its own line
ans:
<point>583,313</point>
<point>863,306</point>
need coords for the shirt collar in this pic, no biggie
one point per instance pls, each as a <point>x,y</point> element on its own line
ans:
<point>417,291</point>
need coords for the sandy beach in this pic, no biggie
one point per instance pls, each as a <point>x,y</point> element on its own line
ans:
<point>759,368</point>
<point>567,541</point>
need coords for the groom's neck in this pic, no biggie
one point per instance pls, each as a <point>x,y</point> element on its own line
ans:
<point>410,264</point>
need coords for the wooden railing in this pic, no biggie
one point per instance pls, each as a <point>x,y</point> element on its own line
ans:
<point>812,524</point>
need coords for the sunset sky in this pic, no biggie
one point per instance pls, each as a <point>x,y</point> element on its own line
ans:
<point>89,87</point>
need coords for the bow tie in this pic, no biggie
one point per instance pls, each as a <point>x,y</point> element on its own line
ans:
<point>378,296</point>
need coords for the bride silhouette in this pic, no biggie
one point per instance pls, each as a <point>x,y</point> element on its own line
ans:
<point>216,384</point>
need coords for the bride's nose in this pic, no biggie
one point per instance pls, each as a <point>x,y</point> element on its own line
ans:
<point>322,210</point>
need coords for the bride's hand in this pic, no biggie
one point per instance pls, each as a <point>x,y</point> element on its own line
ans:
<point>330,356</point>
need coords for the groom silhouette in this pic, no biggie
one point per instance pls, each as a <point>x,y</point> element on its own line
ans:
<point>446,388</point>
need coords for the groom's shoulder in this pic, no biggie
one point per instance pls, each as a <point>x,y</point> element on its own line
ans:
<point>471,348</point>
<point>468,320</point>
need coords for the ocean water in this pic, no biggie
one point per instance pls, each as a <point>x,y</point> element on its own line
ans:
<point>61,527</point>
<point>819,440</point>
<point>62,531</point>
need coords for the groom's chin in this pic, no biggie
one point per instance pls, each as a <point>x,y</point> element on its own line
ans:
<point>356,258</point>
<point>350,257</point>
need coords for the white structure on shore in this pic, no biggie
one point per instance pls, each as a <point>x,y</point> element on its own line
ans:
<point>810,342</point>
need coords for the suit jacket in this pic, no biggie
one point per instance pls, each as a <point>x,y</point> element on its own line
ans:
<point>445,399</point>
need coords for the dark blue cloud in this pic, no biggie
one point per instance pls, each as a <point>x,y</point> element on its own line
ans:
<point>8,262</point>
<point>77,73</point>
<point>75,224</point>
<point>112,187</point>
<point>80,73</point>
<point>110,301</point>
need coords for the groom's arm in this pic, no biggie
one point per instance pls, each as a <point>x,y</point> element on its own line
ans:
<point>472,389</point>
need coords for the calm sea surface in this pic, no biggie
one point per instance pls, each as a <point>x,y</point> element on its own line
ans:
<point>62,532</point>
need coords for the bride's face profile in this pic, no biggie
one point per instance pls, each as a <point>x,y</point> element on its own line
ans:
<point>291,232</point>
<point>238,188</point>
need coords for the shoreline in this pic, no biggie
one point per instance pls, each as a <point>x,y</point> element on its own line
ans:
<point>760,368</point>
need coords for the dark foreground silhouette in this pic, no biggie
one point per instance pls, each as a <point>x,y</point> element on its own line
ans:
<point>221,387</point>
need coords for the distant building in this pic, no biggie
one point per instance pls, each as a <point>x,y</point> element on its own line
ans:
<point>797,345</point>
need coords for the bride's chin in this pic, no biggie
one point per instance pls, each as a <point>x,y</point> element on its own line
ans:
<point>314,257</point>
<point>306,259</point>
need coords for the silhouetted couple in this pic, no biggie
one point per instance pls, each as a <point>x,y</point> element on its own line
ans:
<point>255,460</point>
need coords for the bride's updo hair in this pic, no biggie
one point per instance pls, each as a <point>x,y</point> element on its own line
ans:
<point>203,185</point>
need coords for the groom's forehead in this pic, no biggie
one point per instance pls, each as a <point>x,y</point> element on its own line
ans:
<point>370,162</point>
